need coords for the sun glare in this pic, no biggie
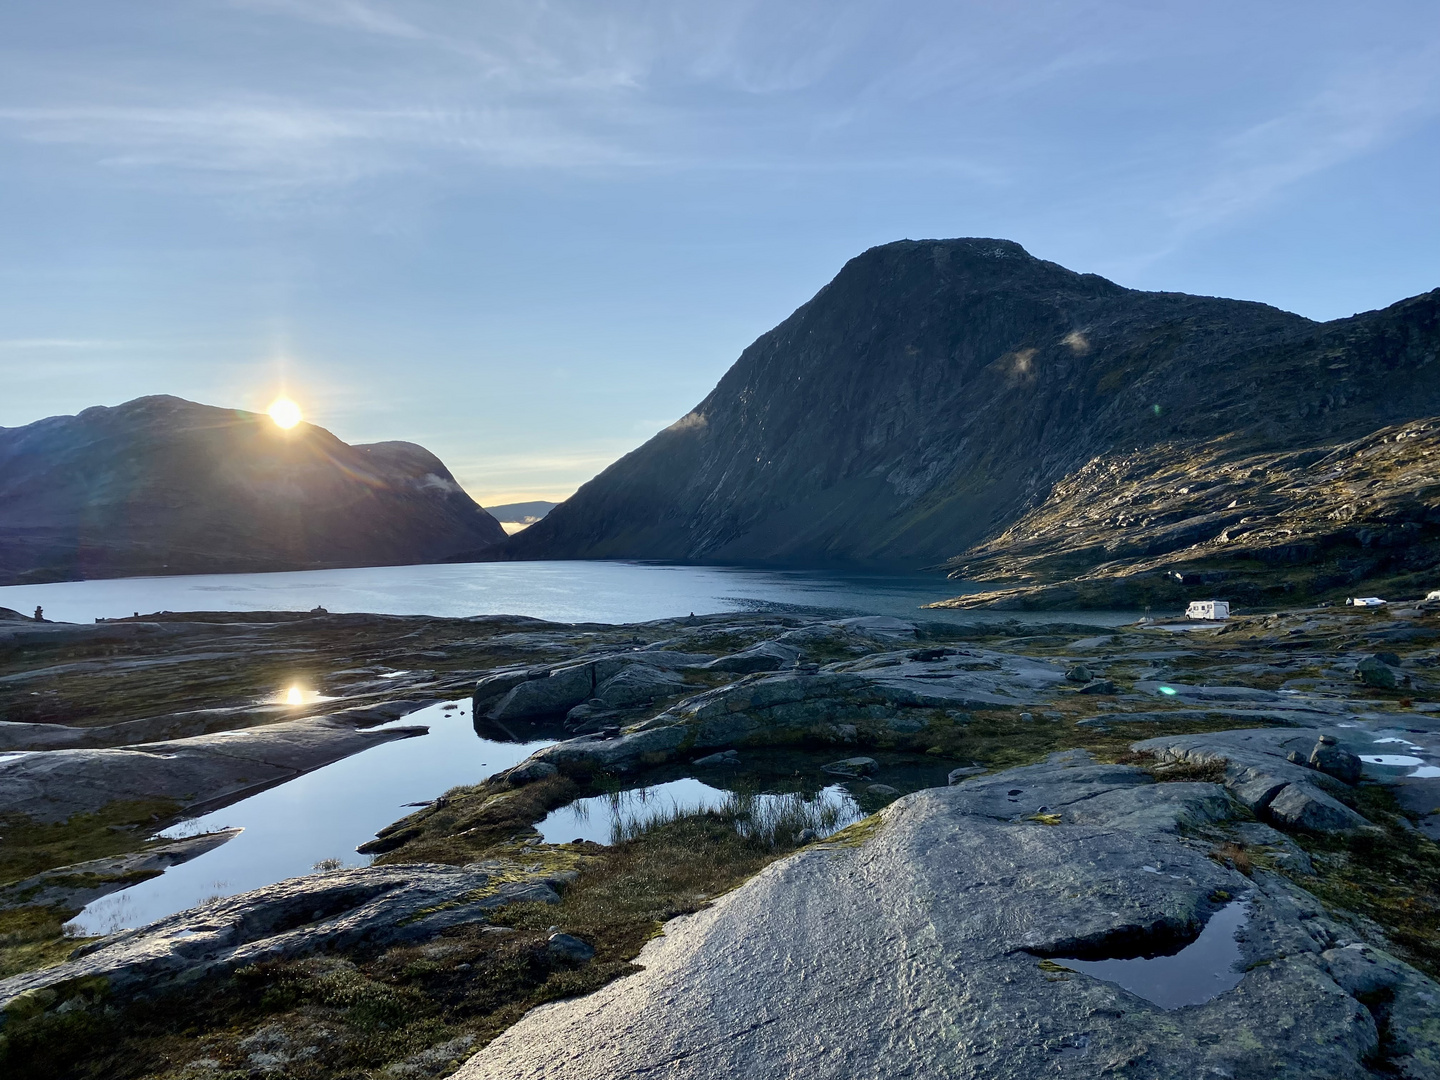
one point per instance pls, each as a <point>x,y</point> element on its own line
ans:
<point>285,412</point>
<point>296,696</point>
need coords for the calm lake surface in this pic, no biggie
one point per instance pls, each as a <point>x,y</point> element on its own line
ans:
<point>613,592</point>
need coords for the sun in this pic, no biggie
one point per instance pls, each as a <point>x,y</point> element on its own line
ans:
<point>285,412</point>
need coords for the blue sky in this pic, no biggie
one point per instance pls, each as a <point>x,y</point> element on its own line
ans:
<point>529,234</point>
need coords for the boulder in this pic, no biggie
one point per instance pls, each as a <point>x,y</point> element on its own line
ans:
<point>1078,673</point>
<point>1335,761</point>
<point>1305,807</point>
<point>1375,673</point>
<point>766,656</point>
<point>556,693</point>
<point>528,772</point>
<point>569,948</point>
<point>1098,686</point>
<point>638,684</point>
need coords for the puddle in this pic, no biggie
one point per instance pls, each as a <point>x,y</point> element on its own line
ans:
<point>15,754</point>
<point>1395,761</point>
<point>605,819</point>
<point>1394,739</point>
<point>319,816</point>
<point>1426,772</point>
<point>1202,970</point>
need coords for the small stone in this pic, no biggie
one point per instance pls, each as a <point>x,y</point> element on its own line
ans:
<point>853,767</point>
<point>1099,686</point>
<point>1027,717</point>
<point>1389,659</point>
<point>1079,673</point>
<point>568,947</point>
<point>1297,758</point>
<point>883,791</point>
<point>807,836</point>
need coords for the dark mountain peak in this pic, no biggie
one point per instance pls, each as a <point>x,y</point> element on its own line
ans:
<point>934,390</point>
<point>160,484</point>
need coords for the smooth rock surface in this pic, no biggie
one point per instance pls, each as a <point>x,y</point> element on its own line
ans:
<point>912,945</point>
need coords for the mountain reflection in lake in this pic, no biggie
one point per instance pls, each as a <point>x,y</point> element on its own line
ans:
<point>320,816</point>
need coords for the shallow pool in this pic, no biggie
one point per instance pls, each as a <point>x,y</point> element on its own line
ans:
<point>322,815</point>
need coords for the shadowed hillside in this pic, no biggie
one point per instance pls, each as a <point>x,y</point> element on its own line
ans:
<point>160,485</point>
<point>936,392</point>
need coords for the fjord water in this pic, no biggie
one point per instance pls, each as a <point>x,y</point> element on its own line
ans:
<point>580,591</point>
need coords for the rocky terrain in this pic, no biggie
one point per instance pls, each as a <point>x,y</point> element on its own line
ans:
<point>1165,849</point>
<point>960,402</point>
<point>165,486</point>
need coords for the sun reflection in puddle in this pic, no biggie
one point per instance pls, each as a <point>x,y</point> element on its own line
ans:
<point>295,694</point>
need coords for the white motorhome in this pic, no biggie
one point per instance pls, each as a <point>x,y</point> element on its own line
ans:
<point>1208,609</point>
<point>1365,601</point>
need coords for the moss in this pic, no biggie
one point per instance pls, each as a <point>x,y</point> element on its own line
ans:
<point>34,937</point>
<point>32,846</point>
<point>1391,877</point>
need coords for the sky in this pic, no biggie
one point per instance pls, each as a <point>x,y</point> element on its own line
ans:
<point>530,234</point>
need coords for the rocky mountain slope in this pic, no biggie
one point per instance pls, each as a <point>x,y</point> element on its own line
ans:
<point>937,392</point>
<point>160,485</point>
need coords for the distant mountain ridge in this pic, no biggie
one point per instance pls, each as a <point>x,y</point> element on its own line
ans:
<point>936,392</point>
<point>160,485</point>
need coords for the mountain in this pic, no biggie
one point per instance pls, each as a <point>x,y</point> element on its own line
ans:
<point>937,394</point>
<point>160,485</point>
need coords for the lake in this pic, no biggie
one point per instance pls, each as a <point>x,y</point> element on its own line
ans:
<point>579,591</point>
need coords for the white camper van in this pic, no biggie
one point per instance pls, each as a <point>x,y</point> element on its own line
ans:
<point>1208,609</point>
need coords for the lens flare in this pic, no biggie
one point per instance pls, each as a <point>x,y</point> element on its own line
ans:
<point>285,412</point>
<point>295,696</point>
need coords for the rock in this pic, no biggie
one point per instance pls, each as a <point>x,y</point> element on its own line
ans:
<point>1305,807</point>
<point>853,767</point>
<point>1297,758</point>
<point>964,773</point>
<point>1262,779</point>
<point>528,772</point>
<point>72,887</point>
<point>725,759</point>
<point>370,907</point>
<point>199,773</point>
<point>1078,673</point>
<point>1335,761</point>
<point>1373,672</point>
<point>922,941</point>
<point>636,685</point>
<point>555,694</point>
<point>571,949</point>
<point>1389,659</point>
<point>1098,686</point>
<point>766,656</point>
<point>883,791</point>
